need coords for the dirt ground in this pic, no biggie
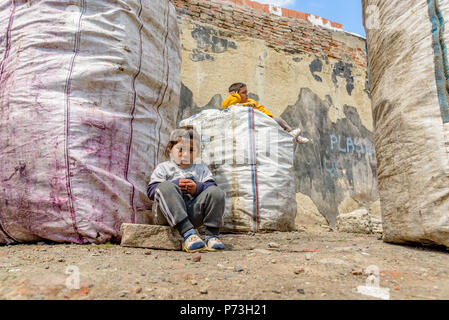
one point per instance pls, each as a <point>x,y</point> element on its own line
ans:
<point>310,263</point>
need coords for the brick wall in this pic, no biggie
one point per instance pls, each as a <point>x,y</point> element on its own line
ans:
<point>283,29</point>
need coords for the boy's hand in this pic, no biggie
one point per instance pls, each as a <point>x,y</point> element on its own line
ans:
<point>188,185</point>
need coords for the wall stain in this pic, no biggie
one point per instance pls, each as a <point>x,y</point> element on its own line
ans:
<point>209,42</point>
<point>316,66</point>
<point>343,70</point>
<point>340,159</point>
<point>198,55</point>
<point>188,107</point>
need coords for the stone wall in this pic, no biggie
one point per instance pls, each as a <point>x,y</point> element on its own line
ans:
<point>303,68</point>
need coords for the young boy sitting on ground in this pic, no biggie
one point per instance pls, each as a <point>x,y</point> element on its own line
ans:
<point>186,193</point>
<point>239,94</point>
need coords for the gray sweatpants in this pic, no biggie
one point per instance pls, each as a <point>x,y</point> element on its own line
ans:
<point>184,214</point>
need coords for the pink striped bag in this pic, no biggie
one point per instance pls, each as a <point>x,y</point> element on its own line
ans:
<point>88,93</point>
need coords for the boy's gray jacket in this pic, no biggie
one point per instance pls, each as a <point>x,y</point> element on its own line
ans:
<point>170,171</point>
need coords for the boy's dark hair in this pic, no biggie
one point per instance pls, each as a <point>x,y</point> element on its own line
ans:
<point>236,87</point>
<point>183,133</point>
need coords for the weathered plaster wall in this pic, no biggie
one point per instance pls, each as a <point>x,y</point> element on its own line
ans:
<point>313,77</point>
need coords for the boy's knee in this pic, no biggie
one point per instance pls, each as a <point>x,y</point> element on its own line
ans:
<point>216,193</point>
<point>167,186</point>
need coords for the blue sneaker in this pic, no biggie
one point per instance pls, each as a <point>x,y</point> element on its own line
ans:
<point>214,244</point>
<point>192,242</point>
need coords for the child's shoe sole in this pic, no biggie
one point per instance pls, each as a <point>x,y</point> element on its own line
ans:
<point>184,248</point>
<point>213,250</point>
<point>210,248</point>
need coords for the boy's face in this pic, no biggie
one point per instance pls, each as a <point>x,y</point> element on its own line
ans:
<point>243,92</point>
<point>183,152</point>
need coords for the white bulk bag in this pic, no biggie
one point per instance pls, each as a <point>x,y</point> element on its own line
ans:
<point>251,158</point>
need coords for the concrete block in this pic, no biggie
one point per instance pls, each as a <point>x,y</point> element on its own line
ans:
<point>150,236</point>
<point>359,221</point>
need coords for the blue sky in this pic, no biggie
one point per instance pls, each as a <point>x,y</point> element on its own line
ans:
<point>346,12</point>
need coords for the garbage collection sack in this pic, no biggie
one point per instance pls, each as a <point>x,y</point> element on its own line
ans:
<point>251,158</point>
<point>88,93</point>
<point>409,80</point>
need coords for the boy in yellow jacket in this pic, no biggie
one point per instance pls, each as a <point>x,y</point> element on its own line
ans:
<point>239,94</point>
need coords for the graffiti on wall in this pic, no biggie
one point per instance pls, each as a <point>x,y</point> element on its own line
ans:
<point>340,159</point>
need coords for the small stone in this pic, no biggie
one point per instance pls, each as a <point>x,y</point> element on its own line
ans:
<point>357,272</point>
<point>127,252</point>
<point>220,266</point>
<point>123,294</point>
<point>47,267</point>
<point>41,243</point>
<point>143,274</point>
<point>308,256</point>
<point>276,291</point>
<point>194,282</point>
<point>137,290</point>
<point>61,260</point>
<point>273,261</point>
<point>273,245</point>
<point>204,291</point>
<point>147,253</point>
<point>298,270</point>
<point>196,257</point>
<point>301,291</point>
<point>238,269</point>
